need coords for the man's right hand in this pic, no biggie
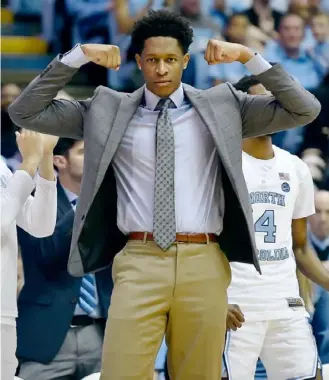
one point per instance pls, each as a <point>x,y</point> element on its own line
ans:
<point>234,318</point>
<point>30,145</point>
<point>103,55</point>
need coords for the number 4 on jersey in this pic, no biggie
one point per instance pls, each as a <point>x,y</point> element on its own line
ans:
<point>266,224</point>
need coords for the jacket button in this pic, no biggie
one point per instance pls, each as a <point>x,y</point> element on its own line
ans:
<point>74,300</point>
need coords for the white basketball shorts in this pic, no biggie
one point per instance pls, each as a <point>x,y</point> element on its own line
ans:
<point>286,347</point>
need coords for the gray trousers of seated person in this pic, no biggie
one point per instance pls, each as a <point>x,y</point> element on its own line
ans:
<point>79,356</point>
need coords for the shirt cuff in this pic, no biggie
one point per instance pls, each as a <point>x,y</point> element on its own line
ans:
<point>257,65</point>
<point>75,57</point>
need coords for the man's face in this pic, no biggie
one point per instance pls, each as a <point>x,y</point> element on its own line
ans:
<point>237,29</point>
<point>291,32</point>
<point>9,93</point>
<point>75,161</point>
<point>162,62</point>
<point>319,222</point>
<point>320,27</point>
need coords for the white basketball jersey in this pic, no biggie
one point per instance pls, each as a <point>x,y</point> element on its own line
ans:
<point>280,189</point>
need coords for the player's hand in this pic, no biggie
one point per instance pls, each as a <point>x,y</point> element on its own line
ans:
<point>49,142</point>
<point>226,52</point>
<point>30,145</point>
<point>103,55</point>
<point>234,318</point>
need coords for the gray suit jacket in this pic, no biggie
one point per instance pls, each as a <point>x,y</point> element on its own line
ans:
<point>102,120</point>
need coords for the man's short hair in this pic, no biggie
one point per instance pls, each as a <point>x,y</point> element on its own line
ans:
<point>246,82</point>
<point>162,23</point>
<point>290,14</point>
<point>63,146</point>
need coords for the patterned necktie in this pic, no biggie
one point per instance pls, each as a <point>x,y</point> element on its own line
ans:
<point>87,298</point>
<point>164,223</point>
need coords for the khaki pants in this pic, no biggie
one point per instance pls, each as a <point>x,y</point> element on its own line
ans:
<point>181,293</point>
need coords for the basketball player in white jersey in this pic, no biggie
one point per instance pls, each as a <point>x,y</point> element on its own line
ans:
<point>36,215</point>
<point>269,307</point>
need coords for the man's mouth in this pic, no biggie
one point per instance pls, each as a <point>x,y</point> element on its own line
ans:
<point>162,83</point>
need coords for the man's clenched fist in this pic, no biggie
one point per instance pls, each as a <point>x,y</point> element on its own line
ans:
<point>103,55</point>
<point>226,52</point>
<point>235,317</point>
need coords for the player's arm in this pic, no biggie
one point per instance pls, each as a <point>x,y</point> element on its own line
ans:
<point>307,260</point>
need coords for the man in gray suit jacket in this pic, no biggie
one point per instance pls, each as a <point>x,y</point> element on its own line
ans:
<point>163,186</point>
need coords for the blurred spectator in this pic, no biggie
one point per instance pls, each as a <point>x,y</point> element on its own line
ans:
<point>61,318</point>
<point>204,29</point>
<point>123,17</point>
<point>217,11</point>
<point>319,238</point>
<point>236,31</point>
<point>9,151</point>
<point>56,24</point>
<point>319,225</point>
<point>203,26</point>
<point>9,92</point>
<point>315,146</point>
<point>305,9</point>
<point>293,57</point>
<point>26,7</point>
<point>320,29</point>
<point>90,20</point>
<point>264,24</point>
<point>264,17</point>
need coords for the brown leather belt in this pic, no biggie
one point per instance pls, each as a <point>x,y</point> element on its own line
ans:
<point>180,238</point>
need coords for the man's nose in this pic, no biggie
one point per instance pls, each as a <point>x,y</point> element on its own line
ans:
<point>323,217</point>
<point>162,68</point>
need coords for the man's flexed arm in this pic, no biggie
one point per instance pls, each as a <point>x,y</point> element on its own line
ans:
<point>37,109</point>
<point>289,106</point>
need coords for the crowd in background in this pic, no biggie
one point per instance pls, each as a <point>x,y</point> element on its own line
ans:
<point>294,33</point>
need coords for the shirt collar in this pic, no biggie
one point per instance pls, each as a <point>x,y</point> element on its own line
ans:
<point>321,244</point>
<point>70,196</point>
<point>151,100</point>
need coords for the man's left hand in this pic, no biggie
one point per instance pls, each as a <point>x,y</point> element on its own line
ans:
<point>226,52</point>
<point>49,143</point>
<point>235,317</point>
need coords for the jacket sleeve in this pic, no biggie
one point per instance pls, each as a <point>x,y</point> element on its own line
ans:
<point>289,106</point>
<point>37,110</point>
<point>53,251</point>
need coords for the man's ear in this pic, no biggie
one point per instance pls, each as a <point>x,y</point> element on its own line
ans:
<point>60,162</point>
<point>138,60</point>
<point>186,60</point>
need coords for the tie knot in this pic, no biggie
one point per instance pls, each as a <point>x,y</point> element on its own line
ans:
<point>74,202</point>
<point>164,104</point>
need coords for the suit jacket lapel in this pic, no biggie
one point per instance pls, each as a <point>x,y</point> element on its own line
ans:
<point>205,110</point>
<point>126,111</point>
